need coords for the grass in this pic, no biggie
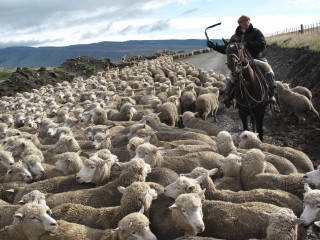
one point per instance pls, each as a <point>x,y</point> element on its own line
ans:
<point>4,75</point>
<point>310,41</point>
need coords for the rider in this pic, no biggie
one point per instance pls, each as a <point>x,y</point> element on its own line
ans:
<point>252,39</point>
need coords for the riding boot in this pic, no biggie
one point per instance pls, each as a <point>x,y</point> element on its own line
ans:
<point>229,94</point>
<point>272,86</point>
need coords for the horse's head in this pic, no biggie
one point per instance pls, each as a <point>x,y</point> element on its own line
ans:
<point>236,60</point>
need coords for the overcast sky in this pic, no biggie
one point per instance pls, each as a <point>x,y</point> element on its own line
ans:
<point>68,22</point>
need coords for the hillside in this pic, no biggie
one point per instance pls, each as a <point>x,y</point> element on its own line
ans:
<point>54,56</point>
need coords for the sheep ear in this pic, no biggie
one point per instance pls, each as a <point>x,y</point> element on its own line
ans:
<point>121,189</point>
<point>202,192</point>
<point>143,194</point>
<point>263,215</point>
<point>213,171</point>
<point>141,210</point>
<point>79,152</point>
<point>191,187</point>
<point>298,221</point>
<point>120,164</point>
<point>21,202</point>
<point>307,187</point>
<point>185,174</point>
<point>10,190</point>
<point>118,229</point>
<point>223,160</point>
<point>9,172</point>
<point>200,179</point>
<point>214,138</point>
<point>173,206</point>
<point>48,195</point>
<point>18,215</point>
<point>317,223</point>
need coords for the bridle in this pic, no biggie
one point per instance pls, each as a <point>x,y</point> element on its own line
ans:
<point>241,62</point>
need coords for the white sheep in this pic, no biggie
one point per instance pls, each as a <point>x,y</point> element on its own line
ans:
<point>311,201</point>
<point>102,141</point>
<point>208,104</point>
<point>313,177</point>
<point>225,144</point>
<point>17,172</point>
<point>135,196</point>
<point>282,224</point>
<point>6,160</point>
<point>168,114</point>
<point>69,163</point>
<point>296,102</point>
<point>299,159</point>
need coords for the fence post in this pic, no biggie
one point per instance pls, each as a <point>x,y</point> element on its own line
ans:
<point>301,28</point>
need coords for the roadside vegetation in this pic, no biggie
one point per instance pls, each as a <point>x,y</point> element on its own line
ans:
<point>309,41</point>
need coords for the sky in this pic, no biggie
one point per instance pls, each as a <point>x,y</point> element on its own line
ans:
<point>38,23</point>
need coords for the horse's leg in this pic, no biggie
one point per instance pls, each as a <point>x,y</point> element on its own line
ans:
<point>259,121</point>
<point>243,115</point>
<point>253,122</point>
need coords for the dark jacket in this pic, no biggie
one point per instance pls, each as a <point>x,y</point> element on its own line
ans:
<point>256,42</point>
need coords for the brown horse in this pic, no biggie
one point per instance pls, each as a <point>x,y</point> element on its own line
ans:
<point>251,91</point>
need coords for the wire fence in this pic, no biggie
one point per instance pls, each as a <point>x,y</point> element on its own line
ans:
<point>313,28</point>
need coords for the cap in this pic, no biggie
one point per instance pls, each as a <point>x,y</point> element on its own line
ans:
<point>243,18</point>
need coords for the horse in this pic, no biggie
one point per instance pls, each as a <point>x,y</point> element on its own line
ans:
<point>251,89</point>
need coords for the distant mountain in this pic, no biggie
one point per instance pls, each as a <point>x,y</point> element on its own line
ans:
<point>54,56</point>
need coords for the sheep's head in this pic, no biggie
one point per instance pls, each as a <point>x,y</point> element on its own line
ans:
<point>311,205</point>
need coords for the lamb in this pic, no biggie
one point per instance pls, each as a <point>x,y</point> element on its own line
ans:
<point>282,224</point>
<point>179,164</point>
<point>225,145</point>
<point>31,221</point>
<point>135,196</point>
<point>9,210</point>
<point>106,195</point>
<point>299,159</point>
<point>190,121</point>
<point>17,172</point>
<point>294,101</point>
<point>276,197</point>
<point>183,217</point>
<point>132,226</point>
<point>95,170</point>
<point>208,104</point>
<point>311,200</point>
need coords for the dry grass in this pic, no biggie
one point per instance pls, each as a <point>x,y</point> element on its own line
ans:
<point>310,41</point>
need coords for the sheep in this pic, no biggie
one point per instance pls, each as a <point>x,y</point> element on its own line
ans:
<point>253,175</point>
<point>313,177</point>
<point>133,226</point>
<point>43,127</point>
<point>95,170</point>
<point>208,104</point>
<point>135,196</point>
<point>24,147</point>
<point>134,143</point>
<point>33,164</point>
<point>105,154</point>
<point>311,200</point>
<point>276,197</point>
<point>189,120</point>
<point>7,118</point>
<point>163,176</point>
<point>17,172</point>
<point>282,223</point>
<point>303,91</point>
<point>9,210</point>
<point>168,114</point>
<point>235,220</point>
<point>179,164</point>
<point>55,133</point>
<point>69,163</point>
<point>188,99</point>
<point>6,160</point>
<point>299,159</point>
<point>183,217</point>
<point>185,149</point>
<point>102,141</point>
<point>294,101</point>
<point>91,131</point>
<point>106,195</point>
<point>125,114</point>
<point>225,145</point>
<point>30,222</point>
<point>3,130</point>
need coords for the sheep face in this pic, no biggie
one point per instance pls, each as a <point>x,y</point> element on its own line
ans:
<point>33,217</point>
<point>35,196</point>
<point>69,162</point>
<point>187,212</point>
<point>183,185</point>
<point>86,174</point>
<point>6,159</point>
<point>311,203</point>
<point>148,152</point>
<point>313,177</point>
<point>17,172</point>
<point>36,169</point>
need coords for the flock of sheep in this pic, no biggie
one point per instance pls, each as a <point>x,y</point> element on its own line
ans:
<point>104,158</point>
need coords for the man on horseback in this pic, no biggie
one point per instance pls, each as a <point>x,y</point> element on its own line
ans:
<point>252,39</point>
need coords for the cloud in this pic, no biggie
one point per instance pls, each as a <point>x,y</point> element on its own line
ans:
<point>190,11</point>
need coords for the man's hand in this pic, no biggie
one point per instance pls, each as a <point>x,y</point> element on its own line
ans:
<point>210,44</point>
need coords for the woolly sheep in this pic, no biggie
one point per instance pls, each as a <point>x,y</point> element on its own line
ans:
<point>24,147</point>
<point>135,196</point>
<point>282,224</point>
<point>276,197</point>
<point>17,172</point>
<point>6,160</point>
<point>225,145</point>
<point>299,159</point>
<point>30,222</point>
<point>313,177</point>
<point>311,200</point>
<point>102,141</point>
<point>125,114</point>
<point>190,121</point>
<point>105,154</point>
<point>95,170</point>
<point>168,114</point>
<point>134,143</point>
<point>179,164</point>
<point>188,99</point>
<point>33,164</point>
<point>183,216</point>
<point>294,101</point>
<point>9,210</point>
<point>303,91</point>
<point>7,118</point>
<point>106,195</point>
<point>208,104</point>
<point>69,163</point>
<point>163,176</point>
